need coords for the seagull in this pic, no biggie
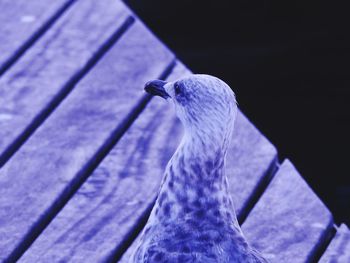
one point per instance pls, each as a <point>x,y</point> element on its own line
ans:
<point>193,219</point>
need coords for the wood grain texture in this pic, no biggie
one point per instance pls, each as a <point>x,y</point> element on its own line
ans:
<point>289,221</point>
<point>41,76</point>
<point>98,219</point>
<point>42,175</point>
<point>22,21</point>
<point>339,248</point>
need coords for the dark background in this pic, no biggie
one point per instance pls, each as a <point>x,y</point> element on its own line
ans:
<point>288,63</point>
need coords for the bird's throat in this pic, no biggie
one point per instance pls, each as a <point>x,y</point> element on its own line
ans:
<point>194,181</point>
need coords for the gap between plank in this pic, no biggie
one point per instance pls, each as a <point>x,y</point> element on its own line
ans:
<point>84,173</point>
<point>39,119</point>
<point>323,243</point>
<point>259,190</point>
<point>63,93</point>
<point>32,39</point>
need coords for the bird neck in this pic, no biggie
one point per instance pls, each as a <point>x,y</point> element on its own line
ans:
<point>199,162</point>
<point>194,179</point>
<point>211,143</point>
<point>194,174</point>
<point>194,183</point>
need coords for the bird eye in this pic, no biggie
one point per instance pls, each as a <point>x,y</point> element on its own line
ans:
<point>177,89</point>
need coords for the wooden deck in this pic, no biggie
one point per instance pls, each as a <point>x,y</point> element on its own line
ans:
<point>83,148</point>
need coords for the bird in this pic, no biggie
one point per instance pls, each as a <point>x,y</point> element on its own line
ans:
<point>193,218</point>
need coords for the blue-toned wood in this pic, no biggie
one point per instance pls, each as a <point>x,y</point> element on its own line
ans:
<point>37,181</point>
<point>22,23</point>
<point>339,248</point>
<point>109,209</point>
<point>109,206</point>
<point>50,68</point>
<point>289,223</point>
<point>44,198</point>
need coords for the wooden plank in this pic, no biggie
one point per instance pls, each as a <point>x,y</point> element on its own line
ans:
<point>289,222</point>
<point>50,69</point>
<point>97,221</point>
<point>251,162</point>
<point>58,157</point>
<point>22,23</point>
<point>339,248</point>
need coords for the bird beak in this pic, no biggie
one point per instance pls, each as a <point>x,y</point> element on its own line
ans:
<point>156,88</point>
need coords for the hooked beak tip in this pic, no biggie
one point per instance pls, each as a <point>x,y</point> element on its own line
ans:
<point>156,88</point>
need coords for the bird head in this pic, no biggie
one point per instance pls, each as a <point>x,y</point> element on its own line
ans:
<point>204,104</point>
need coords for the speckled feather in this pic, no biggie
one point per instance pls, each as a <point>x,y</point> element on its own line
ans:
<point>193,219</point>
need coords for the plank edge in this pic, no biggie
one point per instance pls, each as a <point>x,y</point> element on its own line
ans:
<point>259,190</point>
<point>34,37</point>
<point>324,241</point>
<point>13,147</point>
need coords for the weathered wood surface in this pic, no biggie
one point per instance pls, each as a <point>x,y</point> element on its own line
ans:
<point>98,219</point>
<point>289,222</point>
<point>51,165</point>
<point>339,249</point>
<point>101,216</point>
<point>50,68</point>
<point>22,22</point>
